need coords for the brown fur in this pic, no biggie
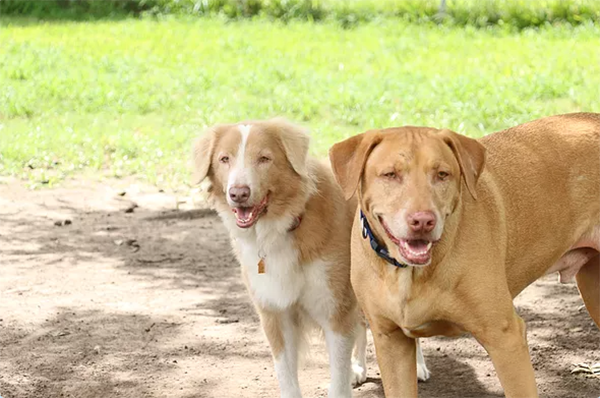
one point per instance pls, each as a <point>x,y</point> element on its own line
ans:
<point>533,203</point>
<point>296,185</point>
<point>324,232</point>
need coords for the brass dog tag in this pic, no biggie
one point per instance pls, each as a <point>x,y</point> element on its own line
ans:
<point>261,266</point>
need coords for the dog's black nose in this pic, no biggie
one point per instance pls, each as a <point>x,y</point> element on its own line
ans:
<point>239,193</point>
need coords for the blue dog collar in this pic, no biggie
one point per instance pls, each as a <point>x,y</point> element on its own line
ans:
<point>380,250</point>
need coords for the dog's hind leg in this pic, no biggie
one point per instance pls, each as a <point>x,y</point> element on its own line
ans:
<point>588,282</point>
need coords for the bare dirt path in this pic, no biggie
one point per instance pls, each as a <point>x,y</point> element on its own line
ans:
<point>148,303</point>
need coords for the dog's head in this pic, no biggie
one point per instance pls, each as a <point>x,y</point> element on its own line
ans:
<point>409,180</point>
<point>255,168</point>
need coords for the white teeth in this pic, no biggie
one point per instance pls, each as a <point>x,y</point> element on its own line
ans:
<point>245,220</point>
<point>406,247</point>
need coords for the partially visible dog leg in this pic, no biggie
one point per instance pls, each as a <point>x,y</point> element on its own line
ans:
<point>283,332</point>
<point>396,355</point>
<point>359,358</point>
<point>506,343</point>
<point>588,282</point>
<point>422,371</point>
<point>339,347</point>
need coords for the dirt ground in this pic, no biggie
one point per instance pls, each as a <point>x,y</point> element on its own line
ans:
<point>147,301</point>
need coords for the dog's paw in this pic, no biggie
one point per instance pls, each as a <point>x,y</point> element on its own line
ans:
<point>359,374</point>
<point>422,372</point>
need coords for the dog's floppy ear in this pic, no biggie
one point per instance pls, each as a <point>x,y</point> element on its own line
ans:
<point>295,141</point>
<point>470,155</point>
<point>203,149</point>
<point>348,159</point>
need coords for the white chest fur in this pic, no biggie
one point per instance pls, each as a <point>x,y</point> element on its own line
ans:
<point>285,281</point>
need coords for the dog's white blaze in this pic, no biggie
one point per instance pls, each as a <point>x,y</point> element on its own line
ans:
<point>239,174</point>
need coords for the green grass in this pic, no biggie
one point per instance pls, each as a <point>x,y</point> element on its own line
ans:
<point>127,97</point>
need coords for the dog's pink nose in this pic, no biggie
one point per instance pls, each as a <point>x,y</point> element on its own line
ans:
<point>239,193</point>
<point>422,221</point>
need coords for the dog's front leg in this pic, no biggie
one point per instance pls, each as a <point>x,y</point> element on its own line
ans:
<point>506,343</point>
<point>339,346</point>
<point>396,355</point>
<point>283,332</point>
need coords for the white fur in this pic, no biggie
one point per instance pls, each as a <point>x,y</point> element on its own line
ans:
<point>339,348</point>
<point>239,174</point>
<point>359,359</point>
<point>285,283</point>
<point>422,372</point>
<point>286,364</point>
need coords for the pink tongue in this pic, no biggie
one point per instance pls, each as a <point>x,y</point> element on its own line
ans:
<point>418,245</point>
<point>243,212</point>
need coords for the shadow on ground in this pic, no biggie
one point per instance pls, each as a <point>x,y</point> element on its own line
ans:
<point>101,341</point>
<point>102,348</point>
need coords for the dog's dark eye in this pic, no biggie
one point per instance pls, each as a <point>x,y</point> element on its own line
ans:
<point>442,175</point>
<point>224,159</point>
<point>390,174</point>
<point>263,159</point>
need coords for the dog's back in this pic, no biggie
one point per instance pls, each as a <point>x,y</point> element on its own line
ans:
<point>548,175</point>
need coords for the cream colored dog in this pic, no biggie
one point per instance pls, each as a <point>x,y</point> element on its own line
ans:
<point>290,228</point>
<point>450,229</point>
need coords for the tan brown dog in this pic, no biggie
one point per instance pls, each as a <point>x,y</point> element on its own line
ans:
<point>287,217</point>
<point>470,223</point>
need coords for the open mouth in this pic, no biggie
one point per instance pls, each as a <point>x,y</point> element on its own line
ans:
<point>245,217</point>
<point>414,251</point>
